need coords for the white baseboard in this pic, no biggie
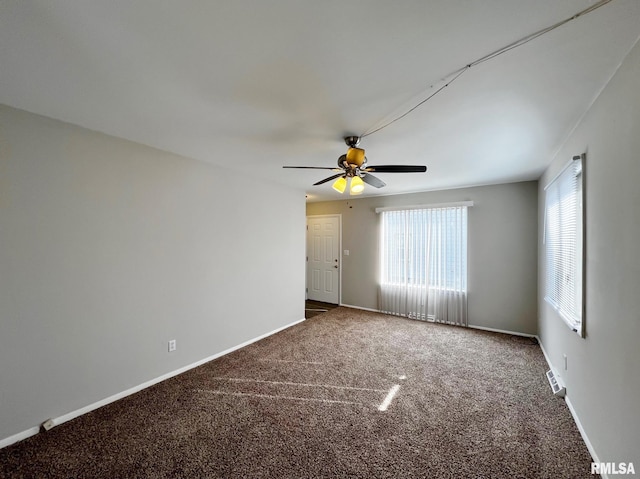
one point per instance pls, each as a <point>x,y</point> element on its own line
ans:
<point>494,330</point>
<point>503,331</point>
<point>576,419</point>
<point>546,356</point>
<point>19,437</point>
<point>550,364</point>
<point>103,402</point>
<point>583,433</point>
<point>360,307</point>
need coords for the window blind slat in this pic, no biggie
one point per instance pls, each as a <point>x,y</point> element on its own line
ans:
<point>424,263</point>
<point>563,244</point>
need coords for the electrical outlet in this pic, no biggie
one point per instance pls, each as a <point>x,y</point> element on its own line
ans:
<point>172,345</point>
<point>565,361</point>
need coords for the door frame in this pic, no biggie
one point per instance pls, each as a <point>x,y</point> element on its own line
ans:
<point>306,263</point>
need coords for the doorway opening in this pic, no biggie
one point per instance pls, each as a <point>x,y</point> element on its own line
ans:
<point>324,265</point>
<point>315,308</point>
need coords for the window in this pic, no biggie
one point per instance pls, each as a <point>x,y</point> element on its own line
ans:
<point>563,239</point>
<point>423,262</point>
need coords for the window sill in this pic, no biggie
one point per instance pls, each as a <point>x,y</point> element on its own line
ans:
<point>575,326</point>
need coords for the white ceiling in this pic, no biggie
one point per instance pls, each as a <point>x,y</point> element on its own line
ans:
<point>255,85</point>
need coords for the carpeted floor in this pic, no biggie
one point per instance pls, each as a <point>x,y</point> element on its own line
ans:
<point>307,402</point>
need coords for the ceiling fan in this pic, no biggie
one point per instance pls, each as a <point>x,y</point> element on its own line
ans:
<point>353,165</point>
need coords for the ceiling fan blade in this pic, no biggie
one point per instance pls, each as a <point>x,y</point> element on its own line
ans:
<point>313,167</point>
<point>328,179</point>
<point>397,168</point>
<point>373,181</point>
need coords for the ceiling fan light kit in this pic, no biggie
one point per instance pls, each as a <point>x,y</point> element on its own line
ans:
<point>357,185</point>
<point>340,184</point>
<point>353,166</point>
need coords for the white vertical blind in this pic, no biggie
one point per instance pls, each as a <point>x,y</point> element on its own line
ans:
<point>563,244</point>
<point>424,264</point>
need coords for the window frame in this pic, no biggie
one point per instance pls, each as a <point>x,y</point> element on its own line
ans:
<point>574,318</point>
<point>464,261</point>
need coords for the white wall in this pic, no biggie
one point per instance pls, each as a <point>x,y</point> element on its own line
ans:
<point>603,375</point>
<point>502,245</point>
<point>108,249</point>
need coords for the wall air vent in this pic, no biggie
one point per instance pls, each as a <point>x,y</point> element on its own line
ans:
<point>556,386</point>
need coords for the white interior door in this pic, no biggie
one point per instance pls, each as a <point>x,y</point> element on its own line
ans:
<point>323,258</point>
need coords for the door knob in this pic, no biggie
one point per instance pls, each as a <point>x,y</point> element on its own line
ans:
<point>336,266</point>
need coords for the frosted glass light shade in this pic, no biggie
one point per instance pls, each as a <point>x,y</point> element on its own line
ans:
<point>357,185</point>
<point>340,184</point>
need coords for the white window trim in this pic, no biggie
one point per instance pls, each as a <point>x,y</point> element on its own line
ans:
<point>580,327</point>
<point>412,299</point>
<point>424,207</point>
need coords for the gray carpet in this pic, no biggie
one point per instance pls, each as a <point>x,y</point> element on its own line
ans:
<point>305,403</point>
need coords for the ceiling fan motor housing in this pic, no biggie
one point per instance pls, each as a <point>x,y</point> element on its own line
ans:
<point>355,156</point>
